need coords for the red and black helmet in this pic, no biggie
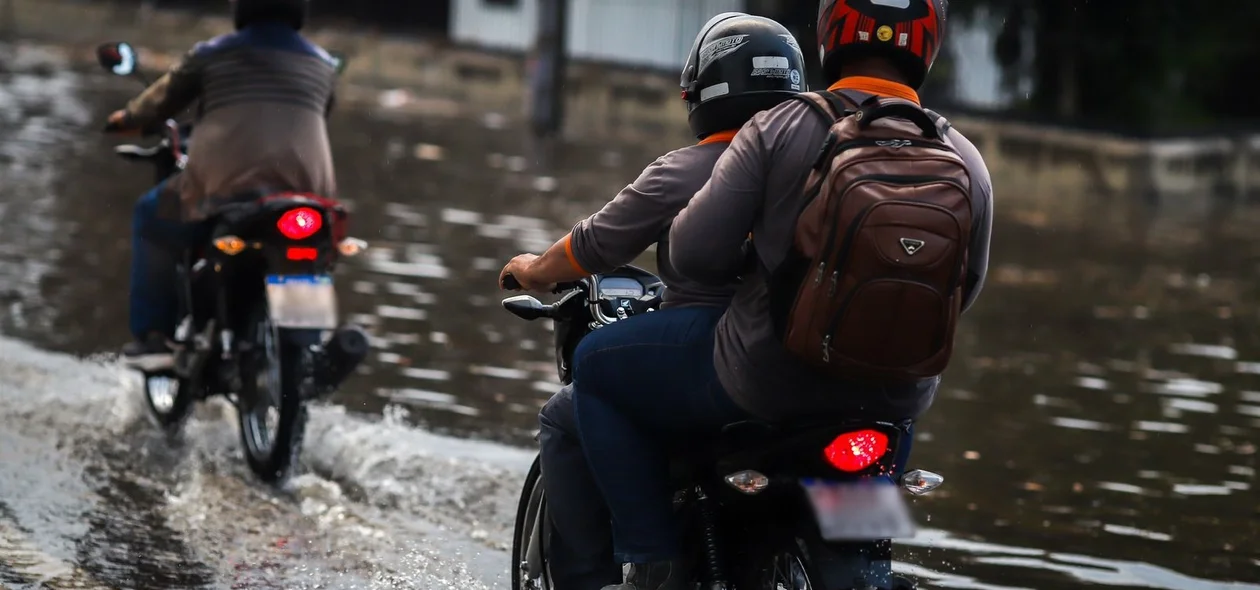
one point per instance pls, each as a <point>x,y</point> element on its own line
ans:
<point>907,32</point>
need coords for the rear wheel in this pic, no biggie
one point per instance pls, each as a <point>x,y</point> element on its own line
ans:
<point>787,571</point>
<point>796,564</point>
<point>529,544</point>
<point>270,409</point>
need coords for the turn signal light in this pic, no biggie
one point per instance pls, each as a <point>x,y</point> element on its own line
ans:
<point>855,451</point>
<point>748,481</point>
<point>351,247</point>
<point>230,245</point>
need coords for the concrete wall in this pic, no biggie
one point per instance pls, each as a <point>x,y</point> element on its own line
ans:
<point>646,33</point>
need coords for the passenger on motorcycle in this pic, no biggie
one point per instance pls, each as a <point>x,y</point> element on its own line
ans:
<point>264,93</point>
<point>722,90</point>
<point>639,389</point>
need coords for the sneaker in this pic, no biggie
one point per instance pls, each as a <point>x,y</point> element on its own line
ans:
<point>151,355</point>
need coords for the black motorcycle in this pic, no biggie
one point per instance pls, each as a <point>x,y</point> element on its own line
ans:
<point>766,505</point>
<point>257,305</point>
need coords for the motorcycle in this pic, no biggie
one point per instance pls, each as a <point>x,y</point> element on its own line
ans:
<point>257,307</point>
<point>765,505</point>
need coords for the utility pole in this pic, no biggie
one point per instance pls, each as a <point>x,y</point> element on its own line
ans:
<point>8,19</point>
<point>547,67</point>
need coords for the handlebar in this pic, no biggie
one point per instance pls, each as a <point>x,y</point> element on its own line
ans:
<point>511,284</point>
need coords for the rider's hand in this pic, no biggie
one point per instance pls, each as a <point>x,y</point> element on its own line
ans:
<point>521,269</point>
<point>120,123</point>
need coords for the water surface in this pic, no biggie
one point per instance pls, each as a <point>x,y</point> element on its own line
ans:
<point>1098,427</point>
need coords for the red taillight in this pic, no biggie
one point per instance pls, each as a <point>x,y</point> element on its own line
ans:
<point>300,223</point>
<point>855,451</point>
<point>302,253</point>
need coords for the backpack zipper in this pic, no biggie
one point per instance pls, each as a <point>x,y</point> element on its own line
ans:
<point>900,143</point>
<point>842,256</point>
<point>904,180</point>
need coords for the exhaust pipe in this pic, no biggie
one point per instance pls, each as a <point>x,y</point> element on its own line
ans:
<point>339,358</point>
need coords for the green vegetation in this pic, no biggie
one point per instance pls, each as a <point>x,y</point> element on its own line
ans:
<point>1148,66</point>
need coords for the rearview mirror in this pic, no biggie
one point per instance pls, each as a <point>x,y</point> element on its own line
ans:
<point>117,58</point>
<point>339,61</point>
<point>526,307</point>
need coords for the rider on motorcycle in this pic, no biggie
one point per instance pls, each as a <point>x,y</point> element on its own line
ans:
<point>264,94</point>
<point>637,391</point>
<point>723,89</point>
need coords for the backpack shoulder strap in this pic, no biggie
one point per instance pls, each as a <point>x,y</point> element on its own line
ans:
<point>831,106</point>
<point>941,122</point>
<point>840,102</point>
<point>819,105</point>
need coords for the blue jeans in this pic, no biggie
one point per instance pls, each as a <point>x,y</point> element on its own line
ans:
<point>154,243</point>
<point>581,554</point>
<point>640,385</point>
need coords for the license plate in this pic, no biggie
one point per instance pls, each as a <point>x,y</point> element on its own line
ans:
<point>865,510</point>
<point>302,301</point>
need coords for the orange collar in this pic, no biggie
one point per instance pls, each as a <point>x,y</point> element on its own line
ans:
<point>725,136</point>
<point>876,86</point>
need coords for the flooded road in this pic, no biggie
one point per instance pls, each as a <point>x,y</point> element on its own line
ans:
<point>1099,426</point>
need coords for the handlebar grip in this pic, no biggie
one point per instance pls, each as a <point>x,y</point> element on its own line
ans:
<point>111,127</point>
<point>510,283</point>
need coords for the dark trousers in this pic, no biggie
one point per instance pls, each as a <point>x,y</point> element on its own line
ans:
<point>154,244</point>
<point>581,554</point>
<point>640,386</point>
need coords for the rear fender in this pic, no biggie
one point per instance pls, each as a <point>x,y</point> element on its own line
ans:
<point>844,565</point>
<point>766,529</point>
<point>302,337</point>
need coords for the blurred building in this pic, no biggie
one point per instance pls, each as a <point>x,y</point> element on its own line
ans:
<point>646,33</point>
<point>657,34</point>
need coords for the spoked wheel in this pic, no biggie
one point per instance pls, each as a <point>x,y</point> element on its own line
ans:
<point>787,572</point>
<point>170,400</point>
<point>531,539</point>
<point>775,563</point>
<point>272,416</point>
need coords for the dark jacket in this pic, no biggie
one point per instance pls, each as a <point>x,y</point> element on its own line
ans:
<point>264,94</point>
<point>757,186</point>
<point>640,216</point>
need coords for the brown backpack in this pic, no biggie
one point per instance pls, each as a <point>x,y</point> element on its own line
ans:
<point>885,232</point>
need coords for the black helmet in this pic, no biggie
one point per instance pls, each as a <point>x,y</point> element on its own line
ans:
<point>739,65</point>
<point>290,12</point>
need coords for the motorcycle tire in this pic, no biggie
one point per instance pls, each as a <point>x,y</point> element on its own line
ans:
<point>531,511</point>
<point>269,389</point>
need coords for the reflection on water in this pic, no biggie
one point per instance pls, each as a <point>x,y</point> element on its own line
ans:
<point>1105,400</point>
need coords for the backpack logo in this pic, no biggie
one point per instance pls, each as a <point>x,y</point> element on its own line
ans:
<point>893,143</point>
<point>911,246</point>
